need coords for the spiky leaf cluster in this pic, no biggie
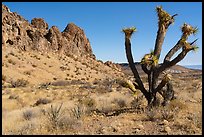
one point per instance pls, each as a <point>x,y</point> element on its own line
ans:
<point>150,59</point>
<point>164,17</point>
<point>129,31</point>
<point>187,46</point>
<point>188,29</point>
<point>167,77</point>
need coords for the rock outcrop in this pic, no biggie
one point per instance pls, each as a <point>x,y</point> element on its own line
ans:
<point>18,32</point>
<point>113,65</point>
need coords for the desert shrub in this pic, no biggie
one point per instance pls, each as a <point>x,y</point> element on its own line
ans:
<point>167,114</point>
<point>28,114</point>
<point>13,97</point>
<point>87,86</point>
<point>63,68</point>
<point>27,72</point>
<point>61,83</point>
<point>187,128</point>
<point>89,104</point>
<point>104,85</point>
<point>76,82</point>
<point>177,104</point>
<point>33,65</point>
<point>151,114</point>
<point>136,102</point>
<point>77,111</point>
<point>100,61</point>
<point>12,54</point>
<point>196,120</point>
<point>6,56</point>
<point>36,57</point>
<point>11,61</point>
<point>48,56</point>
<point>19,83</point>
<point>42,101</point>
<point>66,122</point>
<point>3,77</point>
<point>25,129</point>
<point>44,85</point>
<point>54,78</point>
<point>120,102</point>
<point>54,114</point>
<point>105,107</point>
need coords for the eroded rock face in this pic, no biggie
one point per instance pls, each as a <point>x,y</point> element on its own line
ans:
<point>18,32</point>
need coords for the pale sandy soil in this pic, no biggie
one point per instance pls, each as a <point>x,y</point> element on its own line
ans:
<point>93,102</point>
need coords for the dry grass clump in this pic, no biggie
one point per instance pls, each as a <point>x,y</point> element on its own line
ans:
<point>151,114</point>
<point>168,113</point>
<point>196,120</point>
<point>42,101</point>
<point>54,114</point>
<point>104,85</point>
<point>23,129</point>
<point>28,114</point>
<point>120,102</point>
<point>136,103</point>
<point>19,83</point>
<point>177,104</point>
<point>89,105</point>
<point>78,111</point>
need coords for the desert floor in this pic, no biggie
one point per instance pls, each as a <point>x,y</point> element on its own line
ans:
<point>92,103</point>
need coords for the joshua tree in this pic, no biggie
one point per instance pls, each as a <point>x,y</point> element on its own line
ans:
<point>149,62</point>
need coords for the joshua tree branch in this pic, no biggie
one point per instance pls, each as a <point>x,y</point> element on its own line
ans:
<point>173,51</point>
<point>132,66</point>
<point>144,68</point>
<point>165,20</point>
<point>169,64</point>
<point>164,81</point>
<point>159,40</point>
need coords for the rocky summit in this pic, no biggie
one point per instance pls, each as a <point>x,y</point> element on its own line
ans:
<point>18,32</point>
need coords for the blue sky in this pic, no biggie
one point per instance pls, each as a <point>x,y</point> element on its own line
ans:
<point>103,22</point>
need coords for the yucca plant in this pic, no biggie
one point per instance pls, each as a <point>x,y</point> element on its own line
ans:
<point>149,62</point>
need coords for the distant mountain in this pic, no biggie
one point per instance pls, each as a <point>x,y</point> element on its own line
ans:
<point>174,69</point>
<point>198,67</point>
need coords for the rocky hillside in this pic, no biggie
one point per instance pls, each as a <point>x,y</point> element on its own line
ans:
<point>41,54</point>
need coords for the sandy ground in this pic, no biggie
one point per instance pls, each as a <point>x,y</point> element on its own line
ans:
<point>91,99</point>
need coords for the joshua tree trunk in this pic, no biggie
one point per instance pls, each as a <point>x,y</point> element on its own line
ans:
<point>149,62</point>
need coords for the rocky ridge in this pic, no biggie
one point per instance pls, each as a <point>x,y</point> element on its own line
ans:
<point>35,49</point>
<point>18,32</point>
